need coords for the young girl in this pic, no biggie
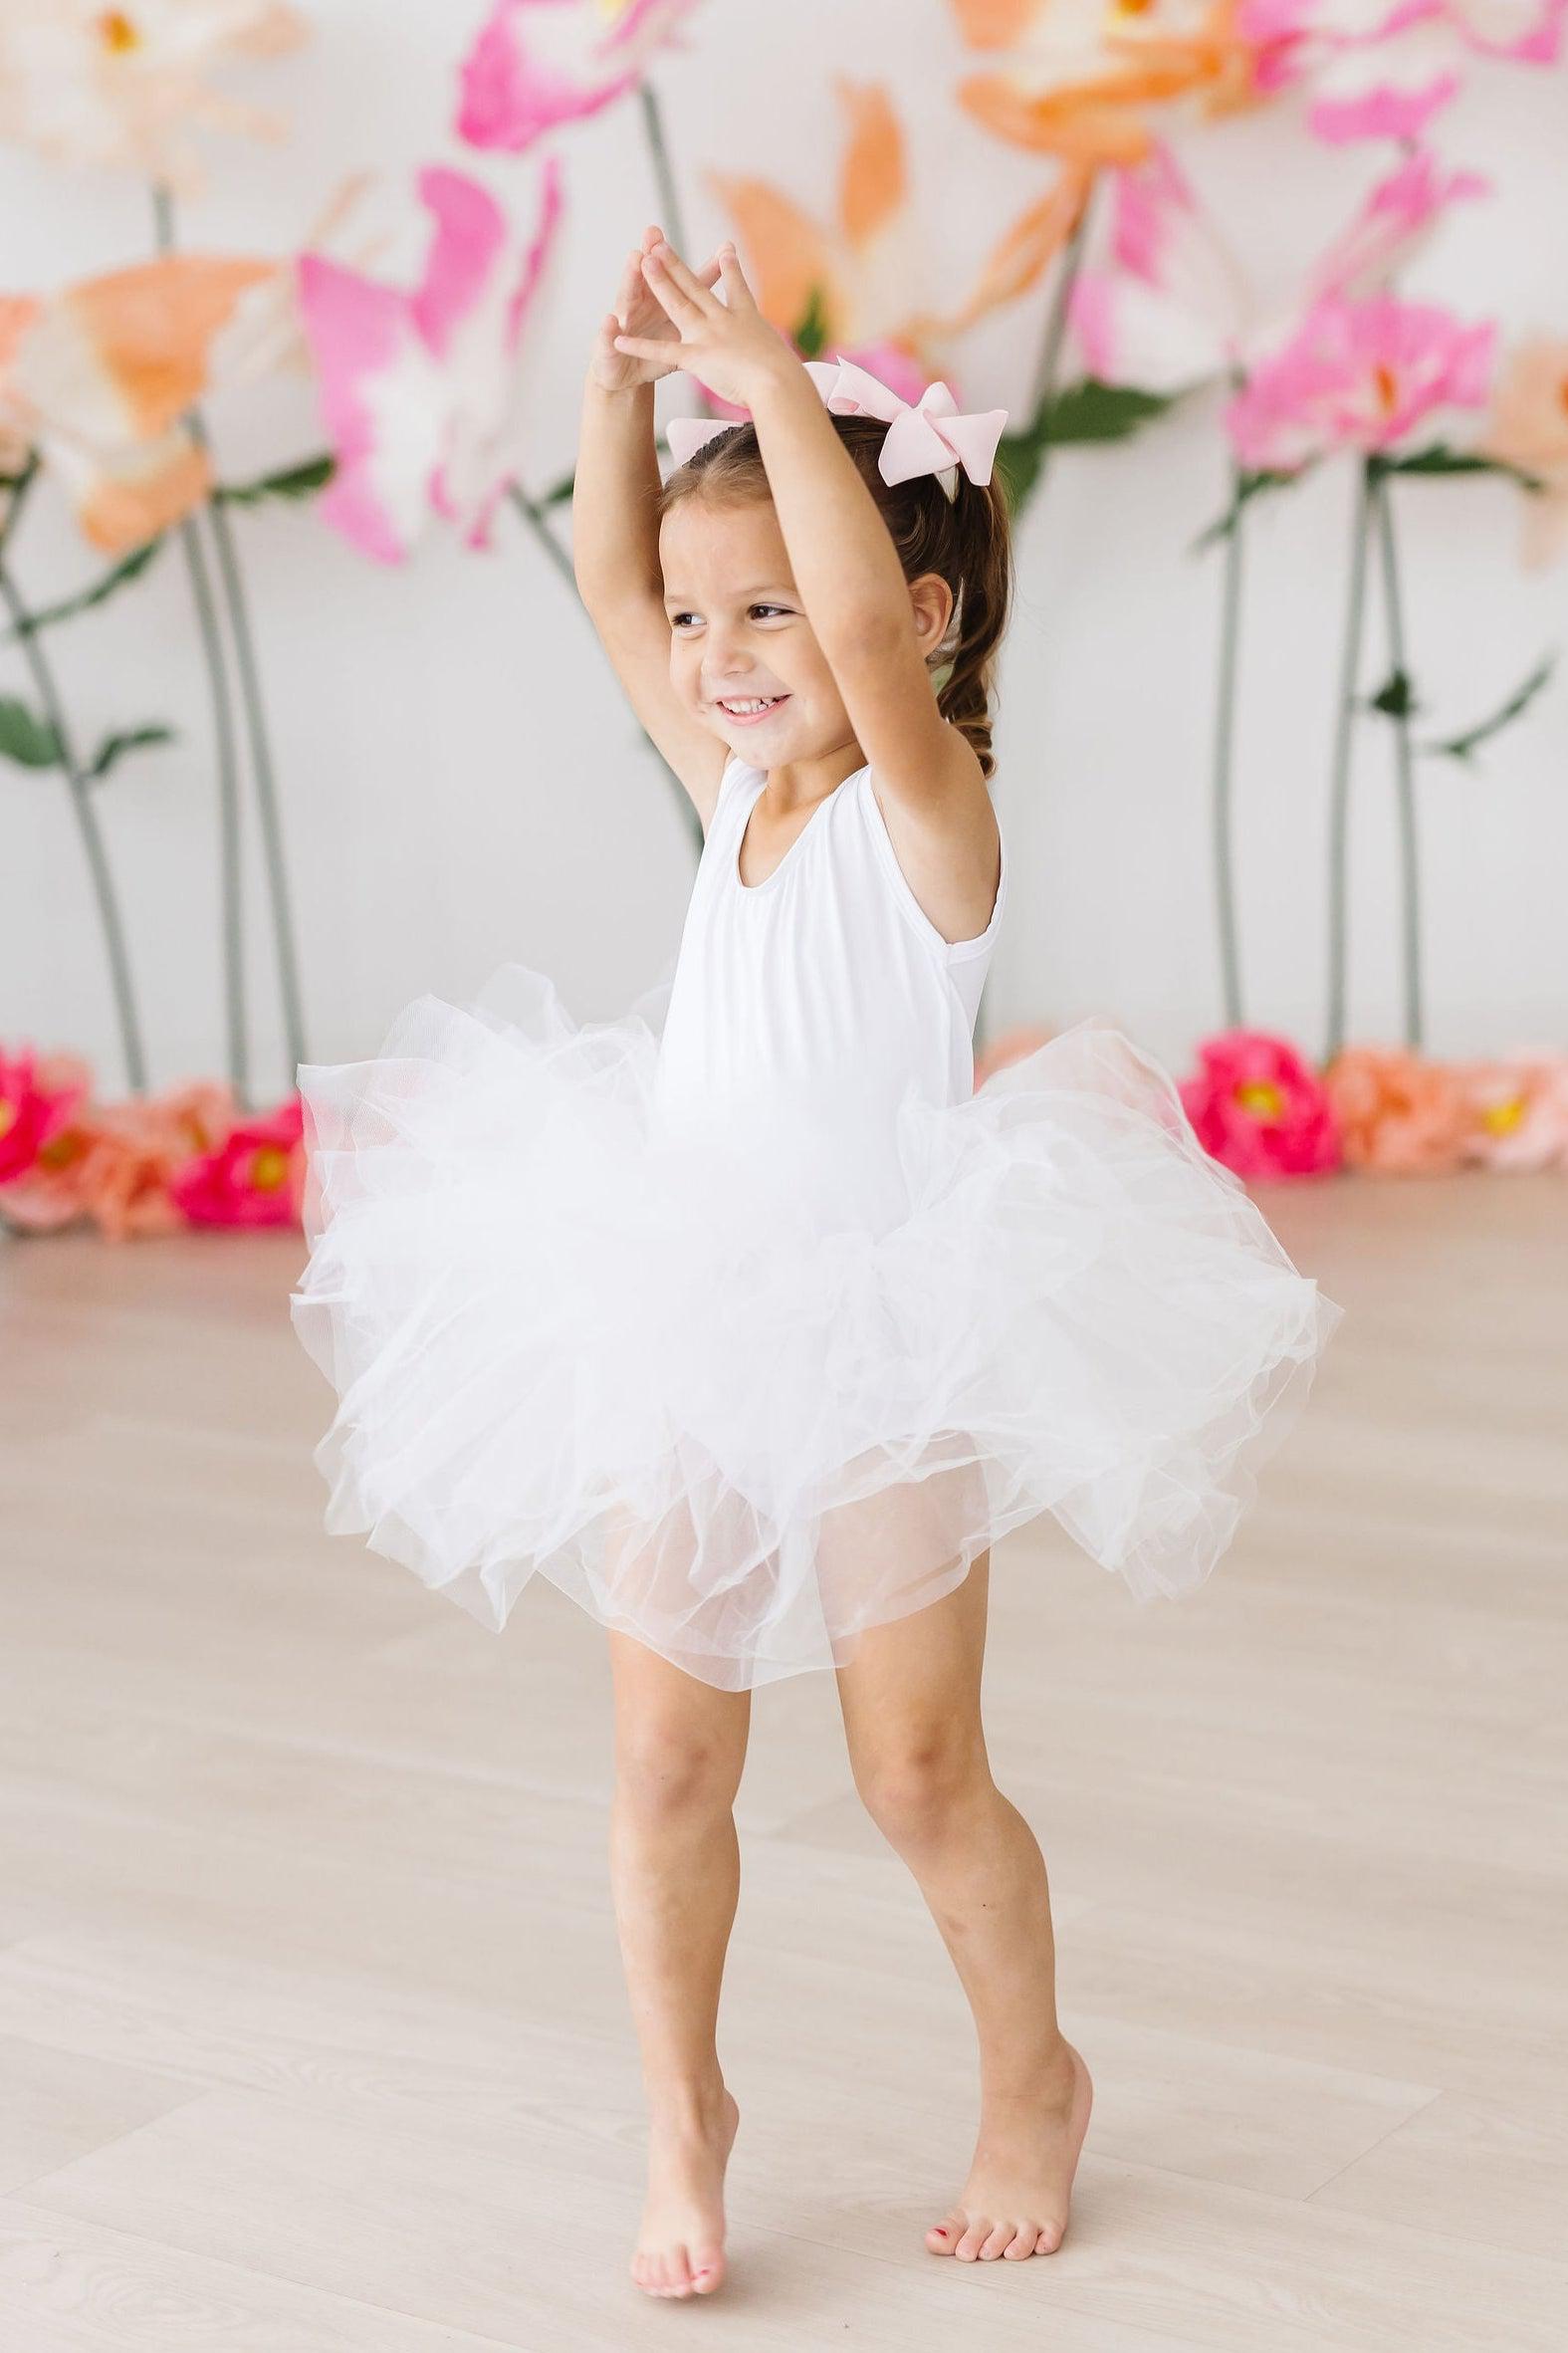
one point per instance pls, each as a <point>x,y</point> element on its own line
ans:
<point>744,1318</point>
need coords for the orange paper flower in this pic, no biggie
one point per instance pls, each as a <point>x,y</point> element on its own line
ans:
<point>1518,1110</point>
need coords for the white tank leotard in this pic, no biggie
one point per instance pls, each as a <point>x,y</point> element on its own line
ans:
<point>813,1001</point>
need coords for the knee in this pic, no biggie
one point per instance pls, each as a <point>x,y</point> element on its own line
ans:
<point>917,1785</point>
<point>672,1773</point>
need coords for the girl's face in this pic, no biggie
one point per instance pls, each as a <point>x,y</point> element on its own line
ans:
<point>743,656</point>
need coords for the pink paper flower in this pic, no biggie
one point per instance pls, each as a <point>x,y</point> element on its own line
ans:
<point>1382,69</point>
<point>1358,375</point>
<point>1518,1110</point>
<point>38,1097</point>
<point>423,394</point>
<point>1260,1108</point>
<point>1173,307</point>
<point>1399,1115</point>
<point>255,1178</point>
<point>115,1162</point>
<point>536,64</point>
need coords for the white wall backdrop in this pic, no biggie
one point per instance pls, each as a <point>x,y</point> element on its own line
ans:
<point>462,783</point>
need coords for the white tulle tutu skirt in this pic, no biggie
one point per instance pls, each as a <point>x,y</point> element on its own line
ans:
<point>571,1336</point>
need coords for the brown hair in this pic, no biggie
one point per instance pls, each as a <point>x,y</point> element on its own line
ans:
<point>966,540</point>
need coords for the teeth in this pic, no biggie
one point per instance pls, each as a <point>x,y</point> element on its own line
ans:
<point>743,710</point>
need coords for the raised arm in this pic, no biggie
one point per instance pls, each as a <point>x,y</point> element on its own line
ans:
<point>873,624</point>
<point>616,537</point>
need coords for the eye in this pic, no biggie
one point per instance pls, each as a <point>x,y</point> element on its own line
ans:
<point>769,609</point>
<point>676,619</point>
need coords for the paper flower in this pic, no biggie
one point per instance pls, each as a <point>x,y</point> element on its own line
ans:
<point>256,1176</point>
<point>1358,375</point>
<point>1518,1110</point>
<point>424,394</point>
<point>1528,427</point>
<point>38,1097</point>
<point>858,286</point>
<point>1399,1115</point>
<point>1173,307</point>
<point>100,376</point>
<point>1382,69</point>
<point>1260,1108</point>
<point>124,87</point>
<point>536,64</point>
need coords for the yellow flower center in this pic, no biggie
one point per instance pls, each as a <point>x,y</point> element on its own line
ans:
<point>610,10</point>
<point>116,32</point>
<point>7,1117</point>
<point>269,1168</point>
<point>1262,1098</point>
<point>1499,1118</point>
<point>60,1150</point>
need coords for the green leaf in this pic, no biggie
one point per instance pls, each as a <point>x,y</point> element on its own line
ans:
<point>1081,413</point>
<point>129,739</point>
<point>1464,746</point>
<point>1439,459</point>
<point>29,741</point>
<point>1395,697</point>
<point>811,334</point>
<point>293,482</point>
<point>559,492</point>
<point>130,568</point>
<point>1248,486</point>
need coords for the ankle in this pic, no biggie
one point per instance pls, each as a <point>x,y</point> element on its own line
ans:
<point>687,2103</point>
<point>1023,2078</point>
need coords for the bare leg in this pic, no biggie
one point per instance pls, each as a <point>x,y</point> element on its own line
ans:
<point>912,1718</point>
<point>675,1868</point>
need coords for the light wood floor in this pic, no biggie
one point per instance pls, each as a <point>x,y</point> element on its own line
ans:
<point>313,2038</point>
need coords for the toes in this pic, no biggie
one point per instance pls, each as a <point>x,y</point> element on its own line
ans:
<point>997,2240</point>
<point>972,2239</point>
<point>1048,2239</point>
<point>708,2270</point>
<point>1023,2243</point>
<point>678,2273</point>
<point>944,2237</point>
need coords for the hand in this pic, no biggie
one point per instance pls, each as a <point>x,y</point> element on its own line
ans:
<point>728,345</point>
<point>638,312</point>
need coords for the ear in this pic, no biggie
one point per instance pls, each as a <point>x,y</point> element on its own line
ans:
<point>930,602</point>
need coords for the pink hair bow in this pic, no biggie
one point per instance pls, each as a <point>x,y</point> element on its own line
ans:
<point>929,437</point>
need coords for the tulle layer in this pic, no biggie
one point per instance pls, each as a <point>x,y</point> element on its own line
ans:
<point>574,1335</point>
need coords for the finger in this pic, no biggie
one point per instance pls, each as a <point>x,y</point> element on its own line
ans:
<point>733,279</point>
<point>641,347</point>
<point>669,261</point>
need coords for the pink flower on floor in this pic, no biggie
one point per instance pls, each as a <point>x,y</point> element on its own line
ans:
<point>115,1162</point>
<point>1399,1115</point>
<point>255,1178</point>
<point>1358,375</point>
<point>423,394</point>
<point>38,1097</point>
<point>1518,1109</point>
<point>536,64</point>
<point>1260,1108</point>
<point>1010,1046</point>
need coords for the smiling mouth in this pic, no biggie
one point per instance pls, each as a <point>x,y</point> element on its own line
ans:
<point>750,706</point>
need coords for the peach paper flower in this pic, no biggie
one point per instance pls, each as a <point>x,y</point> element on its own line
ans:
<point>255,1178</point>
<point>115,1162</point>
<point>1399,1115</point>
<point>99,378</point>
<point>1529,428</point>
<point>123,88</point>
<point>1258,1107</point>
<point>1518,1109</point>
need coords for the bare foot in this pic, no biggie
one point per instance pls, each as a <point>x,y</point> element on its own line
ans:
<point>680,2247</point>
<point>1020,2184</point>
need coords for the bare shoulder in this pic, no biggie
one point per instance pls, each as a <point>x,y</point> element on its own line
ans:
<point>946,838</point>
